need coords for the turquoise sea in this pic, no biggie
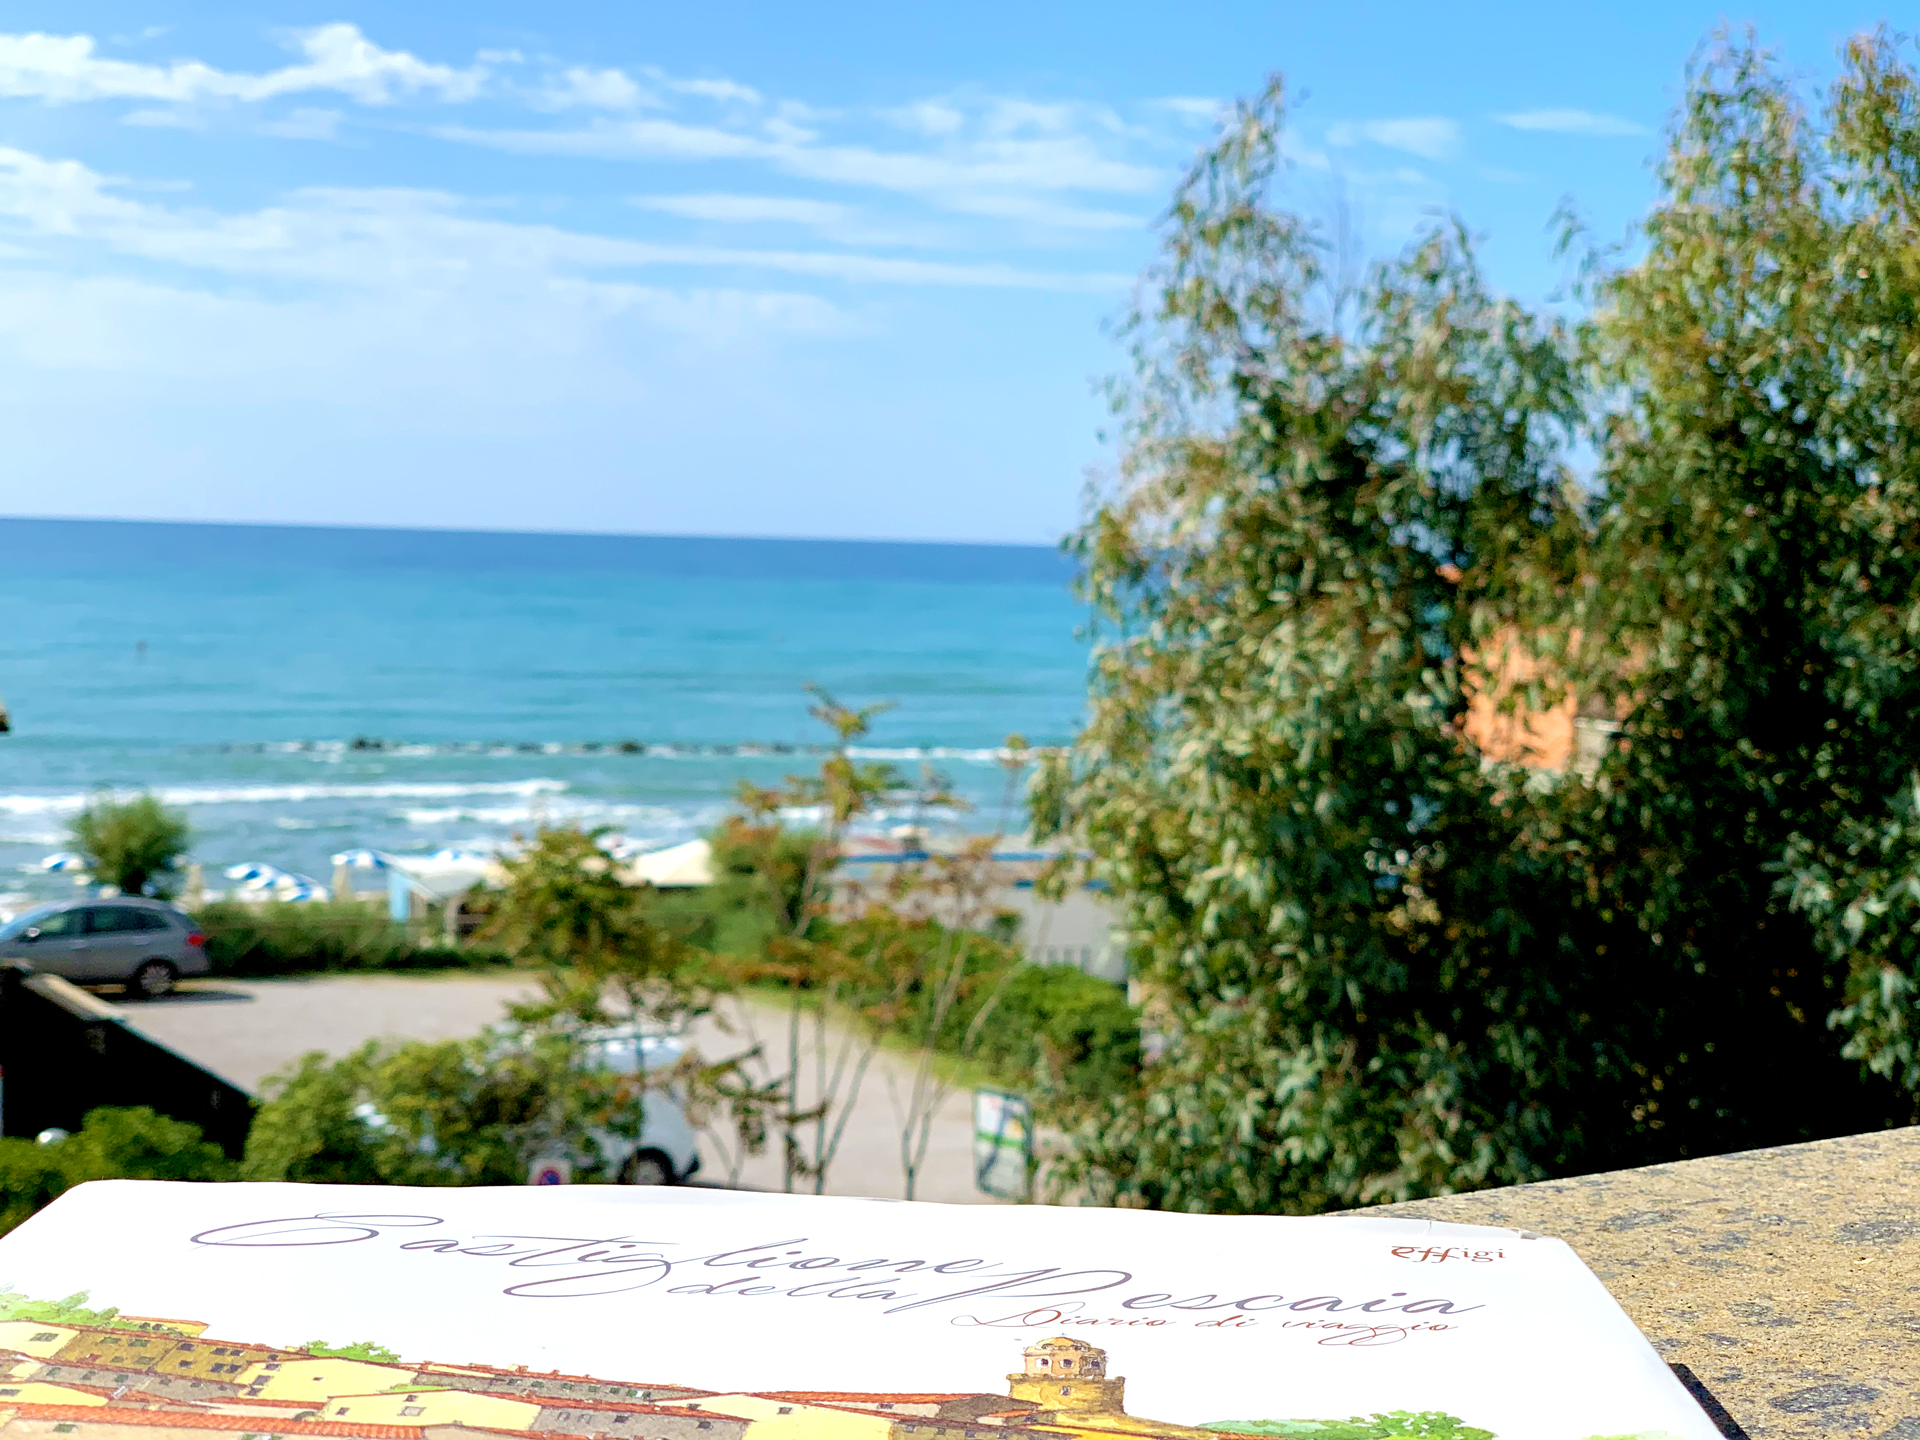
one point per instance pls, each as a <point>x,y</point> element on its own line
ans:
<point>301,691</point>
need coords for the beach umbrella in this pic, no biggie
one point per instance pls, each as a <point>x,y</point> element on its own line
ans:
<point>253,873</point>
<point>361,859</point>
<point>64,860</point>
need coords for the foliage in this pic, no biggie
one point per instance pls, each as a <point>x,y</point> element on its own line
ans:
<point>111,1144</point>
<point>1392,1425</point>
<point>451,1112</point>
<point>597,939</point>
<point>272,940</point>
<point>613,957</point>
<point>785,877</point>
<point>913,959</point>
<point>1329,501</point>
<point>1744,864</point>
<point>359,1350</point>
<point>1382,961</point>
<point>135,844</point>
<point>611,967</point>
<point>75,1309</point>
<point>1053,1028</point>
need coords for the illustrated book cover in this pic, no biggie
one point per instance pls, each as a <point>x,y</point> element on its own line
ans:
<point>137,1310</point>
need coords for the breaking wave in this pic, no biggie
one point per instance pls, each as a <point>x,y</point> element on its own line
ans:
<point>73,801</point>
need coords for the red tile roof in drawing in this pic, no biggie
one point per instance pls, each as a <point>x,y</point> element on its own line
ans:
<point>521,1372</point>
<point>903,1397</point>
<point>888,1415</point>
<point>197,1420</point>
<point>591,1402</point>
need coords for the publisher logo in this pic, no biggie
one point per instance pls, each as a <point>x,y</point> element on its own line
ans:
<point>1438,1254</point>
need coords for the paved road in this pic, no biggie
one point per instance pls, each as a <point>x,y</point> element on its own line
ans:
<point>247,1029</point>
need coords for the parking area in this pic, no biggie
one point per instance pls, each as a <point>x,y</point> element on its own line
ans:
<point>245,1030</point>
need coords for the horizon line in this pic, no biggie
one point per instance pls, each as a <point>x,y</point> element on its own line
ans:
<point>1051,546</point>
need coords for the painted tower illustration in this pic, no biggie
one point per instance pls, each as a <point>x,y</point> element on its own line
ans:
<point>1069,1375</point>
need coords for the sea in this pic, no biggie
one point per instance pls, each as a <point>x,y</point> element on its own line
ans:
<point>302,691</point>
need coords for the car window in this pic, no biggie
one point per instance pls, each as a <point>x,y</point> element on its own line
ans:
<point>112,919</point>
<point>120,919</point>
<point>26,919</point>
<point>60,922</point>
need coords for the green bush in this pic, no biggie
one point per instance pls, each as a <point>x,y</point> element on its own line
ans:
<point>1056,1027</point>
<point>111,1144</point>
<point>446,1112</point>
<point>269,940</point>
<point>134,844</point>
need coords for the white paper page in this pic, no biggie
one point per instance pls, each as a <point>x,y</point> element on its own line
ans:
<point>1232,1323</point>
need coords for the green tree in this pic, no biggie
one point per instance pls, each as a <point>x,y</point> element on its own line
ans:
<point>111,1144</point>
<point>1381,963</point>
<point>611,957</point>
<point>550,1081</point>
<point>455,1112</point>
<point>359,1350</point>
<point>1330,499</point>
<point>134,844</point>
<point>1745,863</point>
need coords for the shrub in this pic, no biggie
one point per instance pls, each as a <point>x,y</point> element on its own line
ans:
<point>449,1112</point>
<point>269,940</point>
<point>111,1144</point>
<point>134,844</point>
<point>1057,1028</point>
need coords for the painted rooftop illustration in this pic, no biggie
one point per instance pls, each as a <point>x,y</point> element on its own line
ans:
<point>165,1379</point>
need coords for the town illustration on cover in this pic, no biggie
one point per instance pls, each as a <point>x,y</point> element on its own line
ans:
<point>101,1375</point>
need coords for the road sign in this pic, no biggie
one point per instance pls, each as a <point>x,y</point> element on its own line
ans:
<point>550,1172</point>
<point>1003,1144</point>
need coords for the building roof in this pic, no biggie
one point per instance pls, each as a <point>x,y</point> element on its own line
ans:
<point>519,1372</point>
<point>205,1420</point>
<point>897,1397</point>
<point>1061,1342</point>
<point>843,1408</point>
<point>590,1402</point>
<point>539,1402</point>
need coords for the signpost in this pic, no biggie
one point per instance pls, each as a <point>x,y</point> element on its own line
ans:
<point>1003,1144</point>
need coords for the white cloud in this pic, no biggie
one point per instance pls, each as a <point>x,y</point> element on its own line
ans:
<point>65,69</point>
<point>360,239</point>
<point>1038,210</point>
<point>1571,122</point>
<point>154,118</point>
<point>306,123</point>
<point>1191,107</point>
<point>619,139</point>
<point>980,155</point>
<point>585,88</point>
<point>1429,136</point>
<point>749,209</point>
<point>928,117</point>
<point>727,91</point>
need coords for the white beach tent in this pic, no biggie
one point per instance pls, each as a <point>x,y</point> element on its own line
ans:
<point>676,866</point>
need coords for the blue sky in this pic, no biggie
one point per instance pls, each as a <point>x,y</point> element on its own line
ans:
<point>827,270</point>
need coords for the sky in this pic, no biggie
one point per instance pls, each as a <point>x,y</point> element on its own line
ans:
<point>841,269</point>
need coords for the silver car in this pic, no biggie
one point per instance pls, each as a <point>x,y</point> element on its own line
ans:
<point>144,945</point>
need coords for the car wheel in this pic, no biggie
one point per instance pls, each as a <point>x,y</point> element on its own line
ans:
<point>647,1167</point>
<point>151,980</point>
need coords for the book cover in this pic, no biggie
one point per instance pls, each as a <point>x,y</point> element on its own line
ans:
<point>151,1311</point>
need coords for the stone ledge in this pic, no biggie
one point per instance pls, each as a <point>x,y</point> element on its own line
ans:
<point>1787,1281</point>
